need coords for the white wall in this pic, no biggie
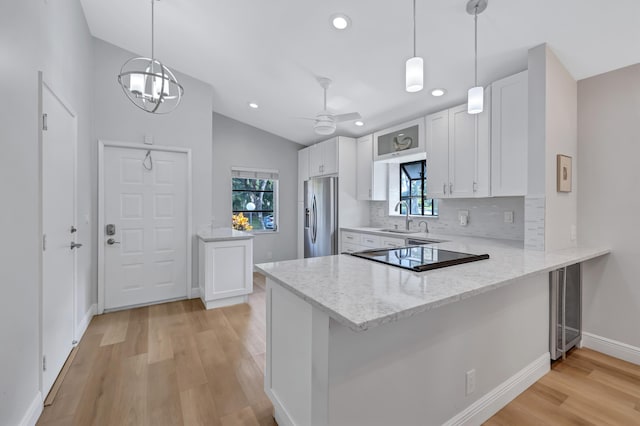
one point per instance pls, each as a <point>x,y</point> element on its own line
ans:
<point>189,126</point>
<point>552,131</point>
<point>52,37</point>
<point>561,138</point>
<point>609,202</point>
<point>240,145</point>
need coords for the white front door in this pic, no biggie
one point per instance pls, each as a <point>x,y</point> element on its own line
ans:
<point>145,233</point>
<point>58,216</point>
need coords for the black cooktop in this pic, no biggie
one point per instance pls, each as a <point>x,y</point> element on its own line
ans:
<point>419,258</point>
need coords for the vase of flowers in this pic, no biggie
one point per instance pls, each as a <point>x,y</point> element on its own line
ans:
<point>240,223</point>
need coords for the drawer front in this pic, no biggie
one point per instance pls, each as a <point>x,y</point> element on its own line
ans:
<point>351,237</point>
<point>392,242</point>
<point>351,248</point>
<point>371,241</point>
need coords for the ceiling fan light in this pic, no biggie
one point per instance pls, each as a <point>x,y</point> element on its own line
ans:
<point>475,101</point>
<point>414,74</point>
<point>324,126</point>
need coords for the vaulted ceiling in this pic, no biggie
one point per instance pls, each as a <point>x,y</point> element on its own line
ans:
<point>270,52</point>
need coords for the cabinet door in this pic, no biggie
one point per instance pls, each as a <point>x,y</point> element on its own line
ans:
<point>483,150</point>
<point>364,167</point>
<point>303,171</point>
<point>315,160</point>
<point>462,147</point>
<point>438,154</point>
<point>509,135</point>
<point>401,143</point>
<point>371,177</point>
<point>330,156</point>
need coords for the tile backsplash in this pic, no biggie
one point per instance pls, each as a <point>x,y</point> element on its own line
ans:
<point>486,217</point>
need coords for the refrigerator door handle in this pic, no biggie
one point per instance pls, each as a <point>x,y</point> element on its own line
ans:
<point>307,212</point>
<point>314,232</point>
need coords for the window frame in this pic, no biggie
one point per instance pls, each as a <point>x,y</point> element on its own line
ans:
<point>407,198</point>
<point>259,174</point>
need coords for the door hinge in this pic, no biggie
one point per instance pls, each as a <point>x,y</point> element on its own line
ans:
<point>45,125</point>
<point>44,363</point>
<point>44,242</point>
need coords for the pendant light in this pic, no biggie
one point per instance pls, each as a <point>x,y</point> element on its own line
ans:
<point>414,68</point>
<point>475,101</point>
<point>149,84</point>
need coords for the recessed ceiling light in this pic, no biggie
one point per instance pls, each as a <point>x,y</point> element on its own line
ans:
<point>359,123</point>
<point>253,105</point>
<point>438,92</point>
<point>340,21</point>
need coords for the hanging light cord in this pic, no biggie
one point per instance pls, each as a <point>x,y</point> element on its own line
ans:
<point>475,19</point>
<point>144,162</point>
<point>152,32</point>
<point>414,28</point>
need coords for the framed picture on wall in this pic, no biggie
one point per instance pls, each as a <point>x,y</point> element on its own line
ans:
<point>564,173</point>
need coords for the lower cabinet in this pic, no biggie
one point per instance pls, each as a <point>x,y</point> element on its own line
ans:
<point>359,241</point>
<point>226,272</point>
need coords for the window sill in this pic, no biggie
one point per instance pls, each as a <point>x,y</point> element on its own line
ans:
<point>413,217</point>
<point>256,233</point>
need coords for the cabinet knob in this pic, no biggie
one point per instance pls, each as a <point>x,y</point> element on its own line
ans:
<point>475,187</point>
<point>444,188</point>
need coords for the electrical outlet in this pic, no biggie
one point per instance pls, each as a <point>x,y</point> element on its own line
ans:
<point>148,139</point>
<point>574,233</point>
<point>508,217</point>
<point>471,381</point>
<point>463,217</point>
<point>269,255</point>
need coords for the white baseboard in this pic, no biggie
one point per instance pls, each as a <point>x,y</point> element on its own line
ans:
<point>195,292</point>
<point>82,327</point>
<point>492,402</point>
<point>611,347</point>
<point>227,301</point>
<point>32,415</point>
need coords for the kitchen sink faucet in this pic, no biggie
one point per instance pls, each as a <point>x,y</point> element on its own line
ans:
<point>406,207</point>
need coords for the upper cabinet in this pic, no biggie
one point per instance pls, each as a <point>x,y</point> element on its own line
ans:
<point>323,158</point>
<point>457,154</point>
<point>509,135</point>
<point>303,171</point>
<point>401,143</point>
<point>371,177</point>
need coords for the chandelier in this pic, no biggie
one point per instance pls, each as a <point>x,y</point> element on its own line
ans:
<point>149,84</point>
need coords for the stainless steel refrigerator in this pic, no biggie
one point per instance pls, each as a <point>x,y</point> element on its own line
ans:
<point>321,217</point>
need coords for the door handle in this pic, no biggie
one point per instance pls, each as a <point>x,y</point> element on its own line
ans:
<point>75,245</point>
<point>111,241</point>
<point>315,220</point>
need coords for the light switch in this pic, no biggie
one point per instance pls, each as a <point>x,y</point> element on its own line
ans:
<point>508,217</point>
<point>148,139</point>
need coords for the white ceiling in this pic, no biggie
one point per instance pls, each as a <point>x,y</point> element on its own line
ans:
<point>269,52</point>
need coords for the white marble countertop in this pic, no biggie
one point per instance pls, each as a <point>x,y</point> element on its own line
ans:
<point>362,294</point>
<point>223,234</point>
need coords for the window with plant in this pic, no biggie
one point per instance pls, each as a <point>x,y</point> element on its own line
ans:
<point>254,200</point>
<point>413,189</point>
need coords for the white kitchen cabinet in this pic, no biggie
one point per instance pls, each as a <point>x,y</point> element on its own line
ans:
<point>323,158</point>
<point>225,267</point>
<point>457,154</point>
<point>359,241</point>
<point>509,135</point>
<point>437,154</point>
<point>371,177</point>
<point>400,144</point>
<point>303,171</point>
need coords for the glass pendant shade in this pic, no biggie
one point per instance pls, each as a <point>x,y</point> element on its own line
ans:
<point>414,74</point>
<point>150,85</point>
<point>475,102</point>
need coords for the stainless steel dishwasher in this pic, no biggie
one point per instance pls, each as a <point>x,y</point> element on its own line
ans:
<point>565,286</point>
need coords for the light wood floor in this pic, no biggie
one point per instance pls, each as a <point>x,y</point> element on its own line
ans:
<point>178,363</point>
<point>169,364</point>
<point>589,388</point>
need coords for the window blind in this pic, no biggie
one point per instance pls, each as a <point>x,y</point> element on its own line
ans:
<point>238,172</point>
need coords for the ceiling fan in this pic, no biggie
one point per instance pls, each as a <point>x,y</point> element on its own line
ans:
<point>325,122</point>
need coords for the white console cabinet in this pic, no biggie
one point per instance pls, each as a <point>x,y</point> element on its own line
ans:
<point>225,267</point>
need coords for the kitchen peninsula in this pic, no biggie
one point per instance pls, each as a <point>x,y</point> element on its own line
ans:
<point>355,342</point>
